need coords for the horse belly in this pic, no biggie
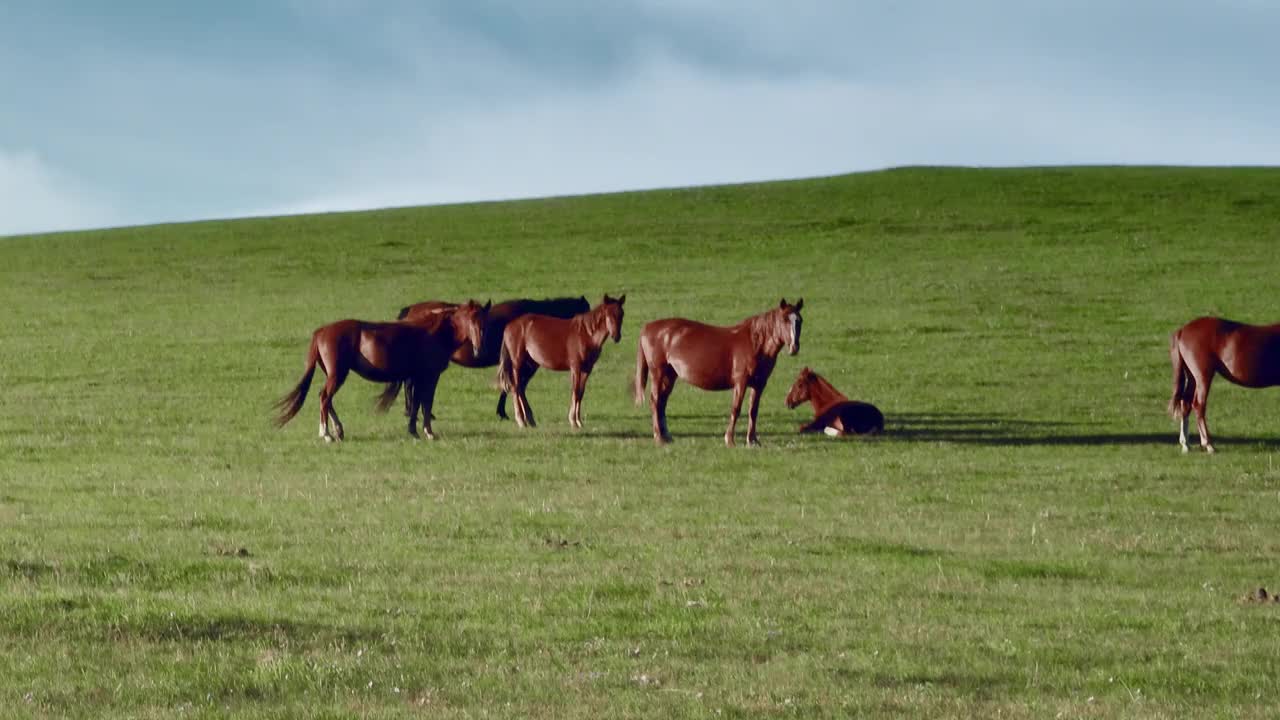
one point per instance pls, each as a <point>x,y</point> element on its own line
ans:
<point>1251,360</point>
<point>702,377</point>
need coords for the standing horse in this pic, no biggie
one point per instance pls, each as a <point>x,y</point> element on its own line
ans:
<point>395,353</point>
<point>833,413</point>
<point>499,316</point>
<point>534,341</point>
<point>1247,355</point>
<point>714,358</point>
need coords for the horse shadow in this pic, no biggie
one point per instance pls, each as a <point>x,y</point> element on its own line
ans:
<point>1002,430</point>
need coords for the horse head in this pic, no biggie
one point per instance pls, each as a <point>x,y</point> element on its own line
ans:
<point>799,391</point>
<point>789,322</point>
<point>469,320</point>
<point>611,309</point>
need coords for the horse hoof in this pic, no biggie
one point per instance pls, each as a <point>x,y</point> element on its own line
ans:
<point>1209,449</point>
<point>1186,449</point>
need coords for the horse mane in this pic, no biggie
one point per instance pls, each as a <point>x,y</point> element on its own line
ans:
<point>765,327</point>
<point>820,382</point>
<point>561,307</point>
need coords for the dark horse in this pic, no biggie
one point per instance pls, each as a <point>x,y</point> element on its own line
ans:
<point>499,316</point>
<point>833,413</point>
<point>396,353</point>
<point>1247,355</point>
<point>714,358</point>
<point>532,341</point>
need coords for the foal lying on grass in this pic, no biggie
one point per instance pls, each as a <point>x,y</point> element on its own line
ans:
<point>833,413</point>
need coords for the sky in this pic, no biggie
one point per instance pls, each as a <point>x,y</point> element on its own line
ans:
<point>144,111</point>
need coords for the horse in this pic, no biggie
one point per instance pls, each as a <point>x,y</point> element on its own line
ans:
<point>714,358</point>
<point>833,413</point>
<point>499,315</point>
<point>396,353</point>
<point>533,341</point>
<point>1247,355</point>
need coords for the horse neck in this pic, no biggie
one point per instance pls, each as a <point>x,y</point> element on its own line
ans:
<point>823,394</point>
<point>764,334</point>
<point>591,325</point>
<point>448,331</point>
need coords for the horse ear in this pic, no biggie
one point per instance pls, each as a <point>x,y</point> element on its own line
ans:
<point>799,305</point>
<point>783,304</point>
<point>488,305</point>
<point>622,298</point>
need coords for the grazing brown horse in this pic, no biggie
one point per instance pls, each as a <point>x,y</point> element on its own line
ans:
<point>396,353</point>
<point>499,316</point>
<point>533,341</point>
<point>833,413</point>
<point>1247,355</point>
<point>714,358</point>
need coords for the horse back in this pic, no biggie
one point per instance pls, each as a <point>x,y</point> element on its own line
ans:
<point>853,417</point>
<point>1245,354</point>
<point>425,310</point>
<point>706,356</point>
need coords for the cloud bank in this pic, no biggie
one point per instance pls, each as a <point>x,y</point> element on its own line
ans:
<point>307,107</point>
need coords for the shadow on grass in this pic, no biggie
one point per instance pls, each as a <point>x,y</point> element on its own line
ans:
<point>996,430</point>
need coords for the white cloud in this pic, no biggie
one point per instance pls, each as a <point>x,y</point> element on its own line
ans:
<point>36,198</point>
<point>671,124</point>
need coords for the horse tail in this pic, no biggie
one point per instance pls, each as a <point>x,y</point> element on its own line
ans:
<point>1180,403</point>
<point>506,383</point>
<point>388,396</point>
<point>642,374</point>
<point>290,404</point>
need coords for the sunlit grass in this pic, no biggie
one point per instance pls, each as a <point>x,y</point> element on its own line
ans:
<point>1025,540</point>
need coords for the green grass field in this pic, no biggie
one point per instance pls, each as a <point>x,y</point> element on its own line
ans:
<point>1025,541</point>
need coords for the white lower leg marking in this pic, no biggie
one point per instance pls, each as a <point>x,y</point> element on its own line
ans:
<point>1182,432</point>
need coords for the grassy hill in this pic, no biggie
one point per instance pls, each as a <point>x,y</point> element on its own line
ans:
<point>1026,540</point>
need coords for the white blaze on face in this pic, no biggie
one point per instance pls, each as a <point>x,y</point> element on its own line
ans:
<point>795,332</point>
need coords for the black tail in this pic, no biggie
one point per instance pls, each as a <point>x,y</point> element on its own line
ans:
<point>506,383</point>
<point>642,374</point>
<point>388,396</point>
<point>1180,403</point>
<point>290,404</point>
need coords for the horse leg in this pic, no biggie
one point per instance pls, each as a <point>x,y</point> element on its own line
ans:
<point>426,397</point>
<point>576,381</point>
<point>752,409</point>
<point>734,410</point>
<point>528,368</point>
<point>660,387</point>
<point>582,392</point>
<point>502,405</point>
<point>1200,404</point>
<point>335,375</point>
<point>1184,413</point>
<point>337,424</point>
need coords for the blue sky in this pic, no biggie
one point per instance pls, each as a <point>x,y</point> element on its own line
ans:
<point>116,113</point>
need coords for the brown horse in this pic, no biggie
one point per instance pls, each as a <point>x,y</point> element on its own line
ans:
<point>833,413</point>
<point>533,341</point>
<point>1247,355</point>
<point>396,353</point>
<point>499,316</point>
<point>714,358</point>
